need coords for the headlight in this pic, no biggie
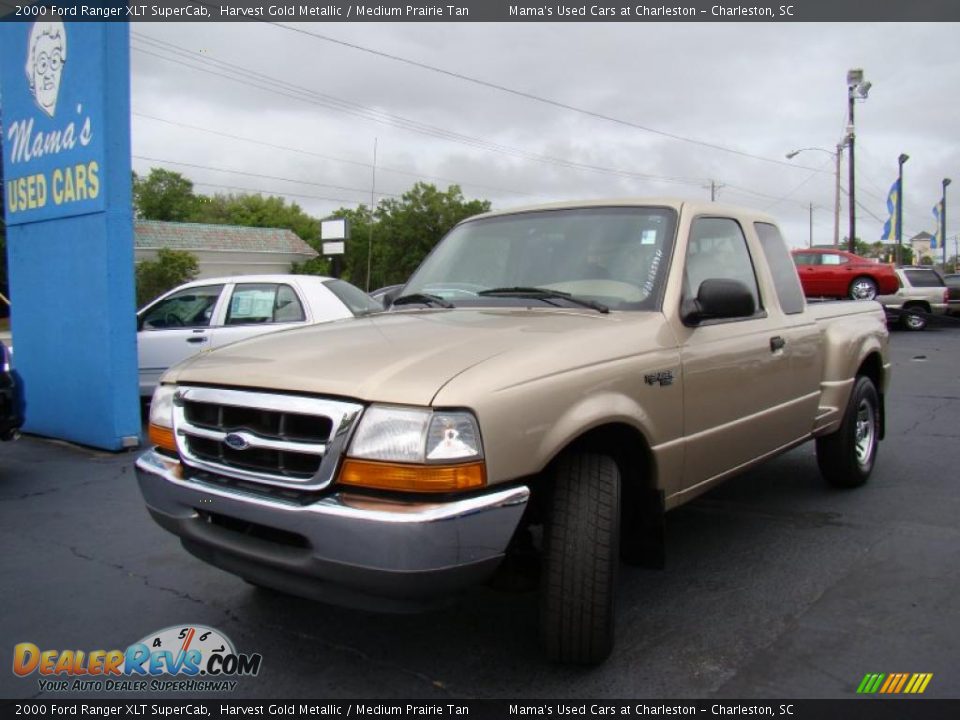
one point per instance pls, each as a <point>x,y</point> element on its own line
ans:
<point>415,450</point>
<point>416,435</point>
<point>161,417</point>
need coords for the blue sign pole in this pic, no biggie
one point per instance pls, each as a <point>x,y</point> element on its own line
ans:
<point>67,188</point>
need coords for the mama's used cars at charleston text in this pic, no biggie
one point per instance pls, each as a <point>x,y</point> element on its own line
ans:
<point>581,368</point>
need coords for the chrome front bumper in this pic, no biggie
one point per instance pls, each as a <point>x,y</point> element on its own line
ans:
<point>344,548</point>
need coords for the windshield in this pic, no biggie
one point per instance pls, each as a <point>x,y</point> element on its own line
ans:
<point>610,255</point>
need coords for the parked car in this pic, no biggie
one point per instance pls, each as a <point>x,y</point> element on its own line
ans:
<point>213,312</point>
<point>839,274</point>
<point>922,293</point>
<point>953,292</point>
<point>11,398</point>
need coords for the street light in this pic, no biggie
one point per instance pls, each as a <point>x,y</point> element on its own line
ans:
<point>899,229</point>
<point>838,155</point>
<point>857,89</point>
<point>943,221</point>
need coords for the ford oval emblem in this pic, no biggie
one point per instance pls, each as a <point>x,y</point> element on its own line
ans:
<point>235,441</point>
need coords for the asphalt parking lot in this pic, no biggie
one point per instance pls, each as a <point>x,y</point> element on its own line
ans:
<point>776,585</point>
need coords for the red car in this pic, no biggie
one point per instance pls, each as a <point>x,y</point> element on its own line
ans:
<point>835,273</point>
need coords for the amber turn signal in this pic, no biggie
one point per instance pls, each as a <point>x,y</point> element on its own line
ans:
<point>162,437</point>
<point>413,478</point>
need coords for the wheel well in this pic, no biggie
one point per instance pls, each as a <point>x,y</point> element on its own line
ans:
<point>872,367</point>
<point>919,304</point>
<point>641,503</point>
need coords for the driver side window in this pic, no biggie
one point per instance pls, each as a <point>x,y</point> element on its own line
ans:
<point>718,250</point>
<point>187,308</point>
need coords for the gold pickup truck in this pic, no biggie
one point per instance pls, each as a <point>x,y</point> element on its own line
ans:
<point>550,381</point>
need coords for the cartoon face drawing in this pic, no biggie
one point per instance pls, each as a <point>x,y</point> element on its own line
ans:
<point>46,54</point>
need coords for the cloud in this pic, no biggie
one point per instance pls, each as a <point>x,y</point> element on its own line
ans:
<point>759,88</point>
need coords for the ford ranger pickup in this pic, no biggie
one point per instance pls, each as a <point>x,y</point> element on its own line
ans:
<point>550,381</point>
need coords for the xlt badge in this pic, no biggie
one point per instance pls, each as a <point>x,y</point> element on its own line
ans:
<point>661,378</point>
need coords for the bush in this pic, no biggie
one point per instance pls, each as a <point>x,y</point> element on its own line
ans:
<point>171,268</point>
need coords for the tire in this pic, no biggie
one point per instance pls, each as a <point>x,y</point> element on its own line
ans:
<point>913,318</point>
<point>863,288</point>
<point>846,457</point>
<point>581,555</point>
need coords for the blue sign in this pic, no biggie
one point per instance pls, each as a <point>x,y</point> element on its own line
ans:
<point>52,121</point>
<point>67,203</point>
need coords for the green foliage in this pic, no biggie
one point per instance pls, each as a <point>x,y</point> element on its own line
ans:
<point>404,231</point>
<point>164,195</point>
<point>256,211</point>
<point>171,268</point>
<point>396,235</point>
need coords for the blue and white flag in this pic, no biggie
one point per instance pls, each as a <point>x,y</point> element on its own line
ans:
<point>936,232</point>
<point>890,227</point>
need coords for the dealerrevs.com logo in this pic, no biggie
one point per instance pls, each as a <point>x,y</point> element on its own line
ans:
<point>181,658</point>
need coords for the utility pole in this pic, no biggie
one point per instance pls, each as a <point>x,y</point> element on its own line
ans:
<point>943,221</point>
<point>899,229</point>
<point>857,88</point>
<point>836,200</point>
<point>373,189</point>
<point>811,224</point>
<point>714,187</point>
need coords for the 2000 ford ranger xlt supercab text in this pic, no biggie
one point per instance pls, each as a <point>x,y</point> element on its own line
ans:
<point>552,378</point>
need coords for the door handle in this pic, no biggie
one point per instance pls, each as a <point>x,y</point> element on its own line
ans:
<point>777,343</point>
<point>200,339</point>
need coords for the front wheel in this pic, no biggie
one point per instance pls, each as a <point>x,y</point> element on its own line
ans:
<point>580,560</point>
<point>863,288</point>
<point>846,456</point>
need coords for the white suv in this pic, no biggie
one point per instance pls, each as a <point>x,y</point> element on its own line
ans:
<point>922,293</point>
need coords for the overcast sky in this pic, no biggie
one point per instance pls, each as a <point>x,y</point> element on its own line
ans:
<point>759,89</point>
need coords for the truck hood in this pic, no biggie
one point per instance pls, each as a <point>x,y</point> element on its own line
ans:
<point>400,357</point>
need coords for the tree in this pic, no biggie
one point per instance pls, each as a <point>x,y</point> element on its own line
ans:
<point>409,228</point>
<point>171,268</point>
<point>164,195</point>
<point>256,211</point>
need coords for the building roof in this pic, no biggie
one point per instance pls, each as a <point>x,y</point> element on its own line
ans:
<point>156,234</point>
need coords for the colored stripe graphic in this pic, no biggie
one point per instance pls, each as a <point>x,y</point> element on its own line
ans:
<point>894,683</point>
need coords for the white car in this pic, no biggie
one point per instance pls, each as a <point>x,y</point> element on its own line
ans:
<point>215,311</point>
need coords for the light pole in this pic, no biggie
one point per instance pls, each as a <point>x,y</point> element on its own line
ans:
<point>857,89</point>
<point>838,155</point>
<point>943,221</point>
<point>899,229</point>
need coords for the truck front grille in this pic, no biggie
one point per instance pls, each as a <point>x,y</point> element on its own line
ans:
<point>263,437</point>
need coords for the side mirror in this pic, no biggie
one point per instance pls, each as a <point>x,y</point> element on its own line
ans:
<point>719,299</point>
<point>390,296</point>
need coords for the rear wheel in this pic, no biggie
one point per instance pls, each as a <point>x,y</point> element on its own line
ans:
<point>863,288</point>
<point>580,559</point>
<point>913,318</point>
<point>846,456</point>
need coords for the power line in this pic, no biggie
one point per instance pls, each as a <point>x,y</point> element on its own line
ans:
<point>531,96</point>
<point>322,156</point>
<point>350,108</point>
<point>277,193</point>
<point>258,175</point>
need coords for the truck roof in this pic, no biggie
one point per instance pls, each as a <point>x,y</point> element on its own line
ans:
<point>678,204</point>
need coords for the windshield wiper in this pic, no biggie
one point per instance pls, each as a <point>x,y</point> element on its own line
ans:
<point>422,298</point>
<point>545,295</point>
